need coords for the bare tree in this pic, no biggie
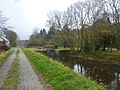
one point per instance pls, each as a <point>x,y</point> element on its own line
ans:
<point>94,9</point>
<point>80,20</point>
<point>2,20</point>
<point>55,19</point>
<point>114,11</point>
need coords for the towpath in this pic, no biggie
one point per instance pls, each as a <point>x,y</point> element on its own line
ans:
<point>28,78</point>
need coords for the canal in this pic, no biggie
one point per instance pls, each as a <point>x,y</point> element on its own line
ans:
<point>107,75</point>
<point>102,74</point>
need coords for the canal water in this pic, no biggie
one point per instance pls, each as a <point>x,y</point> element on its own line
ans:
<point>102,74</point>
<point>99,72</point>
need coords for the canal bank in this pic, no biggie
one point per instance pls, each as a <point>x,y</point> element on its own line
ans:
<point>105,71</point>
<point>103,57</point>
<point>59,76</point>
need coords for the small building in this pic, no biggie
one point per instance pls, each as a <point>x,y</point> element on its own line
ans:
<point>4,43</point>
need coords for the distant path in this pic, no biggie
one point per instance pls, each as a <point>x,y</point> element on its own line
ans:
<point>5,67</point>
<point>29,80</point>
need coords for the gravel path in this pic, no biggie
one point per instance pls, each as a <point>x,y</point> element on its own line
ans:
<point>5,67</point>
<point>29,80</point>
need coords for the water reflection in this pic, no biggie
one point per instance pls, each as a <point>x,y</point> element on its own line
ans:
<point>101,73</point>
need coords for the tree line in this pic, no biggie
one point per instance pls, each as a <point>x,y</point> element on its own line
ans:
<point>90,26</point>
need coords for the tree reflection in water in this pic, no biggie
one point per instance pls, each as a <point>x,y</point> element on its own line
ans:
<point>103,74</point>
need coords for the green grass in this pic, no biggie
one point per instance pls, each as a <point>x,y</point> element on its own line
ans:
<point>102,56</point>
<point>17,53</point>
<point>5,55</point>
<point>59,76</point>
<point>114,55</point>
<point>62,48</point>
<point>67,48</point>
<point>12,79</point>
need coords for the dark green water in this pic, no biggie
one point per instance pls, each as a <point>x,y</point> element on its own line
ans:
<point>107,75</point>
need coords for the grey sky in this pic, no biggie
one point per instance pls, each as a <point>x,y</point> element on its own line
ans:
<point>24,15</point>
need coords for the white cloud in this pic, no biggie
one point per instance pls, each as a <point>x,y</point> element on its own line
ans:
<point>27,14</point>
<point>36,10</point>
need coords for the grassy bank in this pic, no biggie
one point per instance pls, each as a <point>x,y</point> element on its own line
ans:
<point>12,79</point>
<point>114,55</point>
<point>67,48</point>
<point>5,55</point>
<point>59,76</point>
<point>103,56</point>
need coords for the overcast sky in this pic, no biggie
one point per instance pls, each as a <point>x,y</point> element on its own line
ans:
<point>24,15</point>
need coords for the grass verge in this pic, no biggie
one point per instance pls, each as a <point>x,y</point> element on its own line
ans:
<point>17,53</point>
<point>59,76</point>
<point>4,56</point>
